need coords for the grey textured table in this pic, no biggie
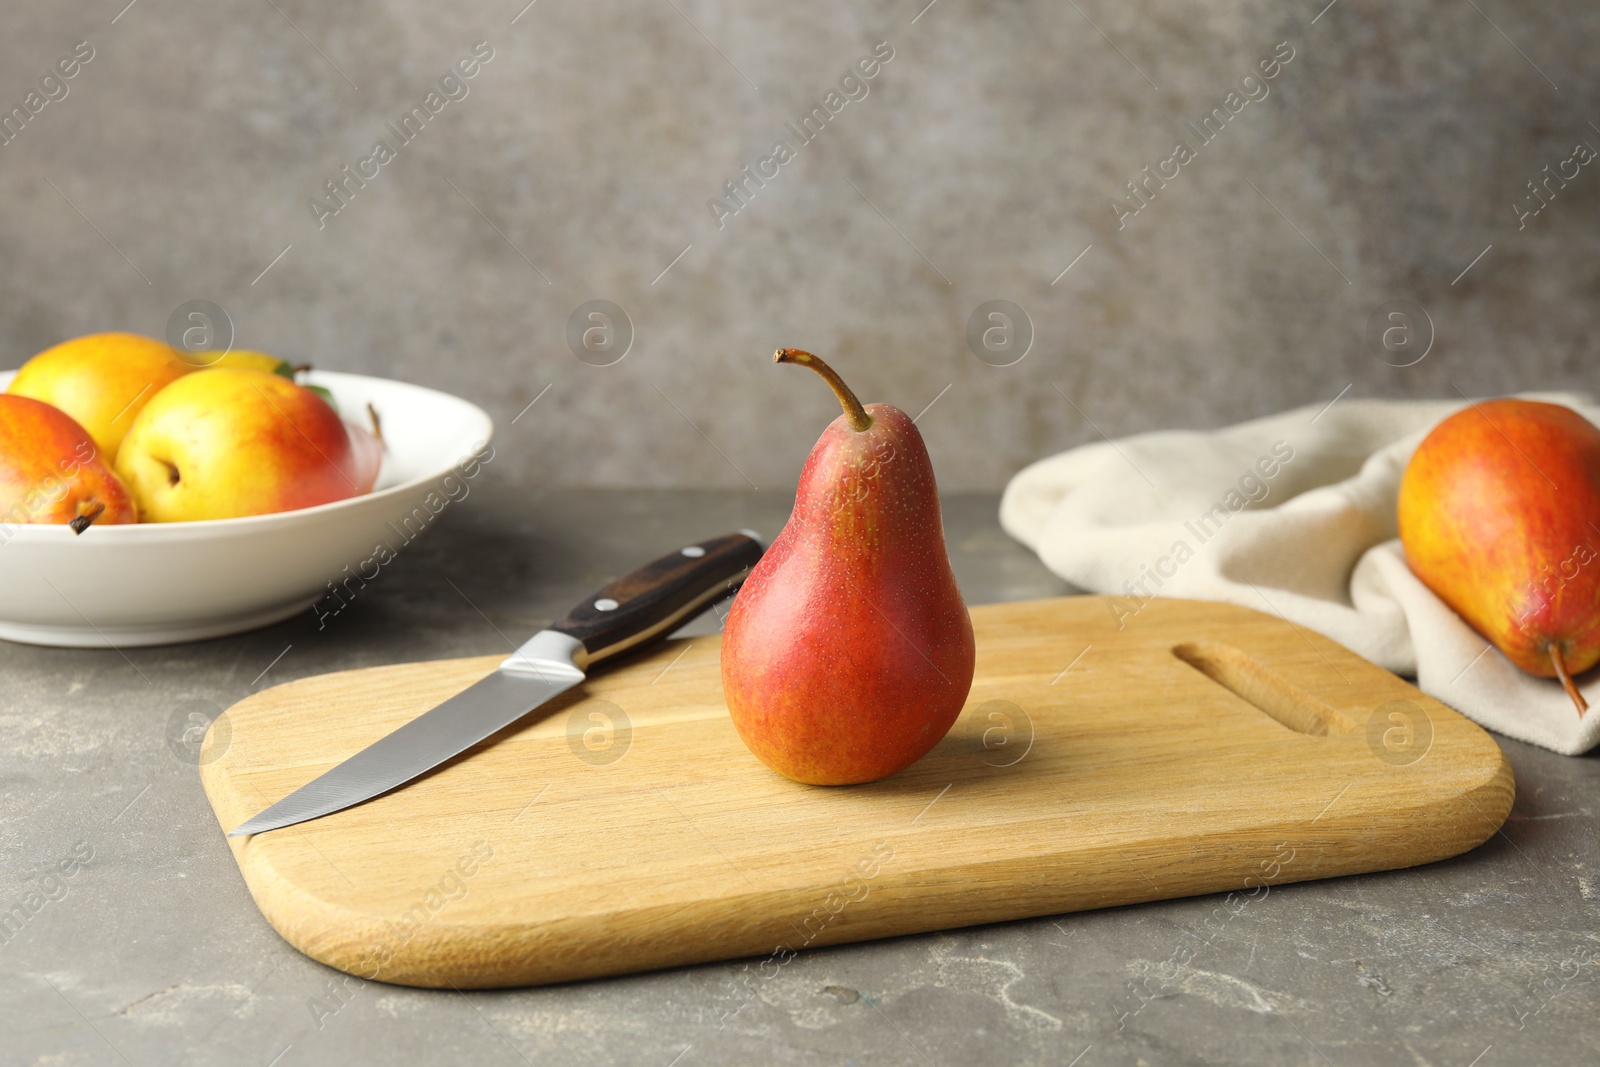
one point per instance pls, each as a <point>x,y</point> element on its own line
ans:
<point>148,950</point>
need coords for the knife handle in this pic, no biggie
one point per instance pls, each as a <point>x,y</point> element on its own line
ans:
<point>657,598</point>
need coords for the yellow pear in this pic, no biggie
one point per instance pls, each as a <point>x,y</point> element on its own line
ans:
<point>102,380</point>
<point>248,359</point>
<point>230,442</point>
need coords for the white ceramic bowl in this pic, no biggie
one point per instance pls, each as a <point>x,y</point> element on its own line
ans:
<point>161,583</point>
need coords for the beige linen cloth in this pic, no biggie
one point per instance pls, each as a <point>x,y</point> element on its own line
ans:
<point>1293,515</point>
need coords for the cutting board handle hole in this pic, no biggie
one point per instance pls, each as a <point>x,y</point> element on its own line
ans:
<point>1263,688</point>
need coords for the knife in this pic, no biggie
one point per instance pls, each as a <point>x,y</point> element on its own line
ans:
<point>641,606</point>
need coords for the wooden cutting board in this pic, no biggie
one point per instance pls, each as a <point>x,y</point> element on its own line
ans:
<point>1200,748</point>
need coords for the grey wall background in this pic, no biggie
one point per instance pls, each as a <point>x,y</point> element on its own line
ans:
<point>1387,156</point>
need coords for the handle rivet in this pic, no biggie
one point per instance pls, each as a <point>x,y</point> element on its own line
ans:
<point>605,603</point>
<point>694,552</point>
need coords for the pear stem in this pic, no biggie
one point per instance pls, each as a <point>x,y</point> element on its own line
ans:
<point>860,421</point>
<point>377,423</point>
<point>1566,678</point>
<point>86,520</point>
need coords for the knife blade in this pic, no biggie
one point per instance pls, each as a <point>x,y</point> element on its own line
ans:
<point>642,606</point>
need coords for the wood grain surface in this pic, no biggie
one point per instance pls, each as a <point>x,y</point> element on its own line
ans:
<point>1200,748</point>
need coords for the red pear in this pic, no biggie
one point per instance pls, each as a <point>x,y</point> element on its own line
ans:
<point>848,653</point>
<point>1500,516</point>
<point>51,471</point>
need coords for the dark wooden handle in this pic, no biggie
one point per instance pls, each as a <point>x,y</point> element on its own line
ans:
<point>658,597</point>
